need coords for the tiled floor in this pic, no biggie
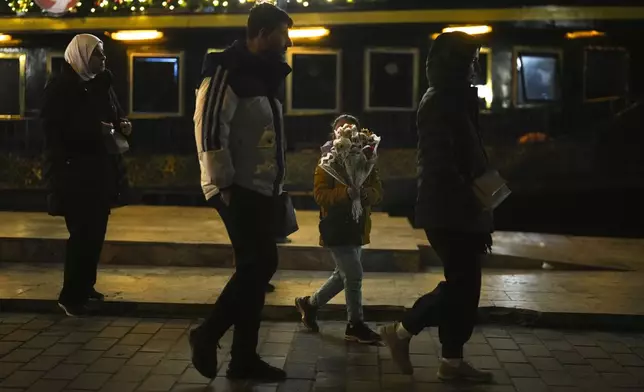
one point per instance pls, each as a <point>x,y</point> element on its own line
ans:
<point>546,291</point>
<point>51,354</point>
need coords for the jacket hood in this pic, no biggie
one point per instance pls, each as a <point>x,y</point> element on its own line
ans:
<point>449,59</point>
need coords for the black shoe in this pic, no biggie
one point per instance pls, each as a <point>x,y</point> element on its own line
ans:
<point>255,369</point>
<point>361,333</point>
<point>309,313</point>
<point>73,310</point>
<point>96,296</point>
<point>270,288</point>
<point>204,356</point>
<point>283,240</point>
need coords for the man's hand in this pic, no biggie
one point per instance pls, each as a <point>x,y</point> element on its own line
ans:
<point>107,128</point>
<point>126,127</point>
<point>225,197</point>
<point>353,193</point>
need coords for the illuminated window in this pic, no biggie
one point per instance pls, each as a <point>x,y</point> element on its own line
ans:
<point>156,85</point>
<point>605,73</point>
<point>12,80</point>
<point>55,61</point>
<point>314,85</point>
<point>391,79</point>
<point>483,80</point>
<point>537,76</point>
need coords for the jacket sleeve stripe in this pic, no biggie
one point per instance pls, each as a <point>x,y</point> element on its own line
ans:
<point>208,110</point>
<point>216,136</point>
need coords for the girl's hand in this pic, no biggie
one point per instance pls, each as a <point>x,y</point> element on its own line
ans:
<point>353,193</point>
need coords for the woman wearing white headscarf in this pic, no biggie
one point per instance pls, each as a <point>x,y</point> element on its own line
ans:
<point>85,131</point>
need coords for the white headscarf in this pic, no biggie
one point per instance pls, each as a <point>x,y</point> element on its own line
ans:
<point>78,53</point>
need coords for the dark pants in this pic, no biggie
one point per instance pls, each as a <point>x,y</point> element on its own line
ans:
<point>86,237</point>
<point>453,304</point>
<point>250,224</point>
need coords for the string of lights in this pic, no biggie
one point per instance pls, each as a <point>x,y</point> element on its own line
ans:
<point>102,7</point>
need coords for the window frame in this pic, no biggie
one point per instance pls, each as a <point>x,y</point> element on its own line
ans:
<point>605,48</point>
<point>488,74</point>
<point>415,52</point>
<point>180,55</point>
<point>289,81</point>
<point>22,93</point>
<point>50,57</point>
<point>536,50</point>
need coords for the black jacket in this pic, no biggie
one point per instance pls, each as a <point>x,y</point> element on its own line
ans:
<point>450,150</point>
<point>81,176</point>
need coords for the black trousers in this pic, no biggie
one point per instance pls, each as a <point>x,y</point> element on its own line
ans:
<point>453,304</point>
<point>250,222</point>
<point>86,236</point>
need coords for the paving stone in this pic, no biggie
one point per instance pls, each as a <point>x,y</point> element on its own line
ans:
<point>171,367</point>
<point>114,332</point>
<point>301,357</point>
<point>307,372</point>
<point>90,381</point>
<point>546,364</point>
<point>535,350</point>
<point>43,363</point>
<point>520,370</point>
<point>7,347</point>
<point>21,379</point>
<point>21,355</point>
<point>423,361</point>
<point>489,332</point>
<point>158,382</point>
<point>569,357</point>
<point>592,352</point>
<point>525,338</point>
<point>120,351</point>
<point>78,337</point>
<point>41,342</point>
<point>606,366</point>
<point>65,372</point>
<point>38,324</point>
<point>173,334</point>
<point>295,386</point>
<point>362,386</point>
<point>136,339</point>
<point>558,345</point>
<point>485,362</point>
<point>622,380</point>
<point>395,381</point>
<point>61,349</point>
<point>119,386</point>
<point>192,376</point>
<point>20,335</point>
<point>107,365</point>
<point>147,327</point>
<point>145,359</point>
<point>100,344</point>
<point>6,329</point>
<point>9,367</point>
<point>614,347</point>
<point>48,386</point>
<point>503,344</point>
<point>511,356</point>
<point>629,360</point>
<point>132,373</point>
<point>274,349</point>
<point>478,349</point>
<point>530,385</point>
<point>158,345</point>
<point>581,340</point>
<point>581,371</point>
<point>557,378</point>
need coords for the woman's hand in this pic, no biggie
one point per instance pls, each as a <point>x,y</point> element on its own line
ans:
<point>107,128</point>
<point>353,193</point>
<point>126,127</point>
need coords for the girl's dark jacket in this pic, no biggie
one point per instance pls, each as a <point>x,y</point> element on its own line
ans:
<point>82,177</point>
<point>450,150</point>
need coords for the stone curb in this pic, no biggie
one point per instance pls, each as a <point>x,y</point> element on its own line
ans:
<point>376,313</point>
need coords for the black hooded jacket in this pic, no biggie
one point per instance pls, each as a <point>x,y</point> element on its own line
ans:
<point>450,150</point>
<point>82,177</point>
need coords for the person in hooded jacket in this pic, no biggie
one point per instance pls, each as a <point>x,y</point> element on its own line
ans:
<point>84,167</point>
<point>240,141</point>
<point>450,157</point>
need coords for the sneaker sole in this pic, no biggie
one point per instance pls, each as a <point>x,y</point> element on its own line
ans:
<point>356,339</point>
<point>390,341</point>
<point>67,312</point>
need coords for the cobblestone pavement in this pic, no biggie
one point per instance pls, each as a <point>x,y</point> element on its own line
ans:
<point>50,353</point>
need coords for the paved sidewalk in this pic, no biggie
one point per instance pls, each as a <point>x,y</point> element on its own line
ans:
<point>50,353</point>
<point>580,292</point>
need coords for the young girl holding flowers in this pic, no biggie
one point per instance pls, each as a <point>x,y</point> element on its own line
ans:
<point>343,235</point>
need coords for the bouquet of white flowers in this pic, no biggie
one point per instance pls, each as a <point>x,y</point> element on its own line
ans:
<point>351,159</point>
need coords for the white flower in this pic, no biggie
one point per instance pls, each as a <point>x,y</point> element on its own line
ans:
<point>342,144</point>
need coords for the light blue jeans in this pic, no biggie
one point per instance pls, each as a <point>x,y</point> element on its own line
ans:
<point>348,276</point>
